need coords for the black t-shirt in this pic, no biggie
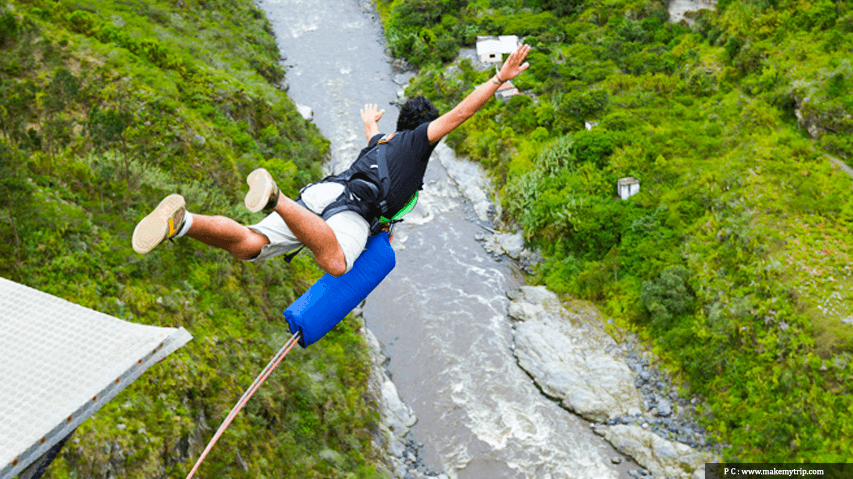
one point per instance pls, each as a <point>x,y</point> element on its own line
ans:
<point>407,155</point>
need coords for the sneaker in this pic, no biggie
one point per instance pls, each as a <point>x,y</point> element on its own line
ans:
<point>163,223</point>
<point>263,192</point>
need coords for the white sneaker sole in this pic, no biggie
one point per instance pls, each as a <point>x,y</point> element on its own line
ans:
<point>159,224</point>
<point>261,187</point>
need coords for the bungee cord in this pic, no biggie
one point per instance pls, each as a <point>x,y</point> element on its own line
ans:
<point>279,356</point>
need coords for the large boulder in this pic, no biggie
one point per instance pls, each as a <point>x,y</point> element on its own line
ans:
<point>571,357</point>
<point>513,244</point>
<point>661,457</point>
<point>305,111</point>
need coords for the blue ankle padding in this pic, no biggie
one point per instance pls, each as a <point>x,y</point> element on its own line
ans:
<point>330,299</point>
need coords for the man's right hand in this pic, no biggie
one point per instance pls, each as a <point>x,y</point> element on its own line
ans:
<point>370,115</point>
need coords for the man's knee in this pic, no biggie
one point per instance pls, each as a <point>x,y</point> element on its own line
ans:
<point>250,246</point>
<point>334,263</point>
<point>246,254</point>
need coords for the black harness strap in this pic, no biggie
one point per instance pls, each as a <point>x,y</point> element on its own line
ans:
<point>349,199</point>
<point>384,178</point>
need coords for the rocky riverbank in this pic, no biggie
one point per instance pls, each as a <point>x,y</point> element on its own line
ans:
<point>397,449</point>
<point>614,385</point>
<point>637,408</point>
<point>574,361</point>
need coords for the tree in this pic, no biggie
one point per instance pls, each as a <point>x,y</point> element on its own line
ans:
<point>17,99</point>
<point>667,297</point>
<point>593,146</point>
<point>57,129</point>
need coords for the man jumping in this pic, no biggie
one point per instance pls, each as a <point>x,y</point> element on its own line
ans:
<point>333,217</point>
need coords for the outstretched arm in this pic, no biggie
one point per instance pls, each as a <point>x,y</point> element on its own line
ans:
<point>446,123</point>
<point>370,115</point>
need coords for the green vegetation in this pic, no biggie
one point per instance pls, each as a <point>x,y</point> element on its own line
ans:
<point>106,107</point>
<point>734,259</point>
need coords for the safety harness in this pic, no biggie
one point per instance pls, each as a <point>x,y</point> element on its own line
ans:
<point>367,191</point>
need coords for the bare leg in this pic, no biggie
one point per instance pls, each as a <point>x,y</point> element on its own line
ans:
<point>314,233</point>
<point>245,244</point>
<point>227,234</point>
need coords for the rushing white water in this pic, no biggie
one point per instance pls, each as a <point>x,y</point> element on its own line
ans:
<point>441,314</point>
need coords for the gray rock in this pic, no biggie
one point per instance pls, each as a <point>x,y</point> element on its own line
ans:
<point>664,408</point>
<point>679,10</point>
<point>512,244</point>
<point>661,457</point>
<point>567,356</point>
<point>305,111</point>
<point>473,183</point>
<point>514,295</point>
<point>522,311</point>
<point>403,78</point>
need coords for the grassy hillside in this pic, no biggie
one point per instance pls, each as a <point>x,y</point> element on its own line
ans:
<point>105,108</point>
<point>734,258</point>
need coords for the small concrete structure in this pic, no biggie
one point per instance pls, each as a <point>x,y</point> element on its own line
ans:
<point>506,91</point>
<point>61,363</point>
<point>589,124</point>
<point>491,49</point>
<point>628,187</point>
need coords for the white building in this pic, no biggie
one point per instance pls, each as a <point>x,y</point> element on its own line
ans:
<point>628,187</point>
<point>492,49</point>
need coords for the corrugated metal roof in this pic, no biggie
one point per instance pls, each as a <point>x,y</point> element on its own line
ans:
<point>59,363</point>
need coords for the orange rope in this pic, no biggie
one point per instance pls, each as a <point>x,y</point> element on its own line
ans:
<point>279,356</point>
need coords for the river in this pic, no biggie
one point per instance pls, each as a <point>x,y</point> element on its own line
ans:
<point>441,314</point>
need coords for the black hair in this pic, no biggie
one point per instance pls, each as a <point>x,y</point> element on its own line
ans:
<point>416,111</point>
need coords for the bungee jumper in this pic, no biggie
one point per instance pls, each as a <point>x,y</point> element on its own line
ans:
<point>343,219</point>
<point>336,216</point>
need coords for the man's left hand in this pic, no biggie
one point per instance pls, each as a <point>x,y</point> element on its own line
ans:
<point>513,65</point>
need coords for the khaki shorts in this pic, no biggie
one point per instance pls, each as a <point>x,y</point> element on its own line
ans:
<point>349,227</point>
